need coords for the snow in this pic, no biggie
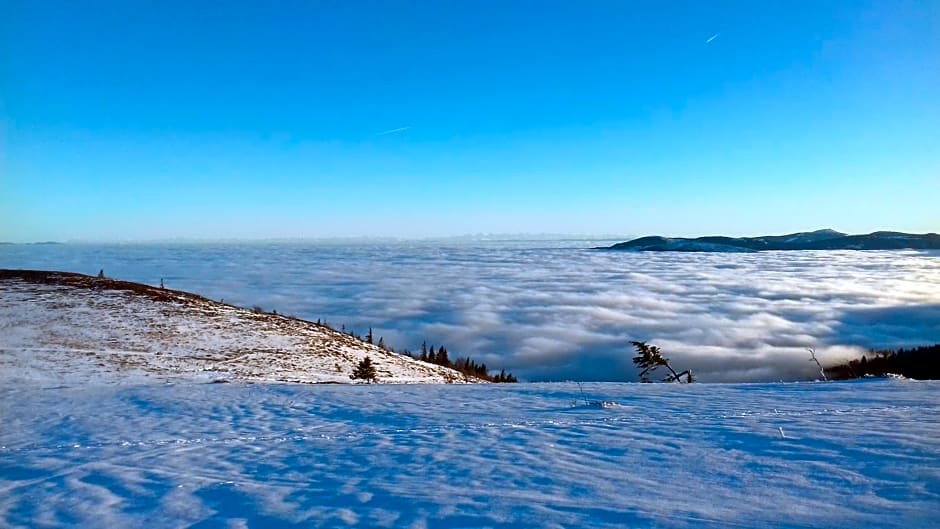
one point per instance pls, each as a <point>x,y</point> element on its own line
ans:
<point>69,334</point>
<point>110,420</point>
<point>854,454</point>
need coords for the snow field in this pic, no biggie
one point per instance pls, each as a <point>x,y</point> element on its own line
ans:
<point>855,454</point>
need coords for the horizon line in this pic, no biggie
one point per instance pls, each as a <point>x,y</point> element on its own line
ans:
<point>468,237</point>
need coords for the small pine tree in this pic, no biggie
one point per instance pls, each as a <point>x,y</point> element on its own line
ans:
<point>649,357</point>
<point>364,371</point>
<point>369,336</point>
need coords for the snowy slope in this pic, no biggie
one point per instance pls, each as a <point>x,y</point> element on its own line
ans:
<point>808,455</point>
<point>75,328</point>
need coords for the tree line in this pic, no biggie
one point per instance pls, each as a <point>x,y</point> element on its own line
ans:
<point>465,364</point>
<point>922,363</point>
<point>441,357</point>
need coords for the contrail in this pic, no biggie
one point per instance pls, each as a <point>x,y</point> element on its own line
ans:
<point>713,37</point>
<point>392,131</point>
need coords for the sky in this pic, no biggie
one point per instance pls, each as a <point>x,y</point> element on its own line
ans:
<point>162,120</point>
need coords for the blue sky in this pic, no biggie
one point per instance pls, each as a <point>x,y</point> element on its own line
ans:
<point>153,120</point>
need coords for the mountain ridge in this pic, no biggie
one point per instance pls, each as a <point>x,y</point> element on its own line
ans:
<point>825,239</point>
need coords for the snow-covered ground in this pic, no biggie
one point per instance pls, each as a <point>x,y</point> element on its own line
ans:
<point>853,454</point>
<point>108,419</point>
<point>74,329</point>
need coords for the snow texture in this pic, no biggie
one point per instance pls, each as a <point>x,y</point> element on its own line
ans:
<point>824,455</point>
<point>89,331</point>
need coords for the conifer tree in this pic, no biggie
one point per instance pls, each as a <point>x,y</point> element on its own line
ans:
<point>442,357</point>
<point>364,371</point>
<point>649,357</point>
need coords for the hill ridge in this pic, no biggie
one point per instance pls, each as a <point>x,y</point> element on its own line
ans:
<point>75,327</point>
<point>824,239</point>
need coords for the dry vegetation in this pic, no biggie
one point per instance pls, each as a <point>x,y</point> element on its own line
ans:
<point>74,325</point>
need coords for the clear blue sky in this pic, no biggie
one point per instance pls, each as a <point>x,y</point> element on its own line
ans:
<point>133,120</point>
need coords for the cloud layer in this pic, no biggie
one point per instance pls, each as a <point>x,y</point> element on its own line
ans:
<point>555,310</point>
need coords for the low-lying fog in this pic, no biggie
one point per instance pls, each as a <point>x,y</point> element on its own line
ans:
<point>556,310</point>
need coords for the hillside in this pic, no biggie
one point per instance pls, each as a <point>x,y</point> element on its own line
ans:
<point>814,240</point>
<point>57,326</point>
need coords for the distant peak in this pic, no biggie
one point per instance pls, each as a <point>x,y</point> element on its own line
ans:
<point>824,239</point>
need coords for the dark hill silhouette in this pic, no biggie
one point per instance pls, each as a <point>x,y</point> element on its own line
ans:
<point>922,363</point>
<point>814,240</point>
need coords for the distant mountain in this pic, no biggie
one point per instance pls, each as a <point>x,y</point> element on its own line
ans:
<point>813,240</point>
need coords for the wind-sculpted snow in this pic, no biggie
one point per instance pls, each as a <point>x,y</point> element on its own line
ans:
<point>555,310</point>
<point>808,455</point>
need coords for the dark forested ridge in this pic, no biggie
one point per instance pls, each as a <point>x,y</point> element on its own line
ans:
<point>814,240</point>
<point>922,363</point>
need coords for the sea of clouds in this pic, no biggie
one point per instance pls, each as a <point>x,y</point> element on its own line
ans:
<point>557,310</point>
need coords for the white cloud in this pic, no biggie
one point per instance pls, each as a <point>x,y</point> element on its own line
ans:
<point>392,131</point>
<point>551,312</point>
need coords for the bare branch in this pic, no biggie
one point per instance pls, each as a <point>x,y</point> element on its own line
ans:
<point>812,355</point>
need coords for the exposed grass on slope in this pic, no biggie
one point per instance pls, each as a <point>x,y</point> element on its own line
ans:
<point>64,323</point>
